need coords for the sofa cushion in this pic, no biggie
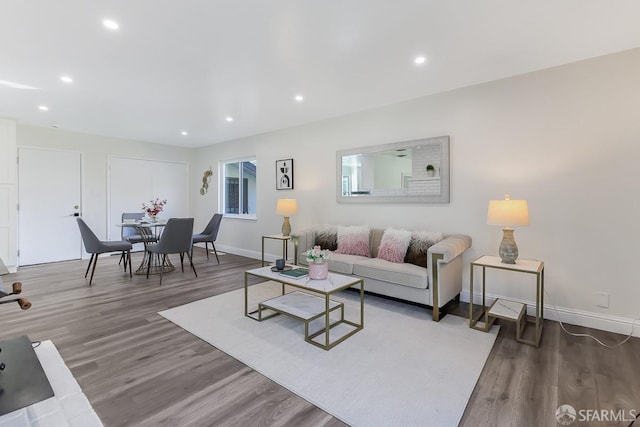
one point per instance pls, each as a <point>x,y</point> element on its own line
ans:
<point>326,236</point>
<point>420,243</point>
<point>343,263</point>
<point>401,274</point>
<point>394,244</point>
<point>354,240</point>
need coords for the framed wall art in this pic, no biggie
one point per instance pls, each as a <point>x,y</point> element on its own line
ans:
<point>284,174</point>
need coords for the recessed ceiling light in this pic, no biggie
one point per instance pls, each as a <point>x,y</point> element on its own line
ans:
<point>184,132</point>
<point>66,79</point>
<point>229,119</point>
<point>419,60</point>
<point>43,108</point>
<point>299,98</point>
<point>111,24</point>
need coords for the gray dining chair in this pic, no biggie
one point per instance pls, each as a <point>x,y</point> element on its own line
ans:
<point>133,234</point>
<point>130,232</point>
<point>209,235</point>
<point>176,239</point>
<point>95,247</point>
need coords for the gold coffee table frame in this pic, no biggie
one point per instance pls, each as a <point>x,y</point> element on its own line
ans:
<point>315,288</point>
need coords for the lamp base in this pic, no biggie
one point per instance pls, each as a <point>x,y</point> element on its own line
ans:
<point>508,250</point>
<point>286,226</point>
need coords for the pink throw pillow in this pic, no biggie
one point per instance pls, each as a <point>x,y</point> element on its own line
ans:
<point>354,240</point>
<point>394,244</point>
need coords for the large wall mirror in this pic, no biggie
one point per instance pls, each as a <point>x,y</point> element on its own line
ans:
<point>401,172</point>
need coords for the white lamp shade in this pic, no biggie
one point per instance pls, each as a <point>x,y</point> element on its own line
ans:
<point>287,207</point>
<point>508,212</point>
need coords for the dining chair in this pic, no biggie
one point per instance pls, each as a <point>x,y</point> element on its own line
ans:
<point>95,247</point>
<point>133,234</point>
<point>176,239</point>
<point>130,232</point>
<point>209,234</point>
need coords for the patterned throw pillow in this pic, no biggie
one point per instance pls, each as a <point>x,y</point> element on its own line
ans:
<point>421,241</point>
<point>394,244</point>
<point>354,240</point>
<point>326,236</point>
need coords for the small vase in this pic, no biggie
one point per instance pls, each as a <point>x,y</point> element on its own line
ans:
<point>153,218</point>
<point>318,270</point>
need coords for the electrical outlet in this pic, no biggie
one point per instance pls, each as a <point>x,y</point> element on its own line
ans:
<point>602,299</point>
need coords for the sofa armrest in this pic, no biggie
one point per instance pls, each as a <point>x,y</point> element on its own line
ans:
<point>444,263</point>
<point>305,239</point>
<point>449,247</point>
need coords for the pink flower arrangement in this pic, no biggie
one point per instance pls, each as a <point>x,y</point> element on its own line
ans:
<point>156,207</point>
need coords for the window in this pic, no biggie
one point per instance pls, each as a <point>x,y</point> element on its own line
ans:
<point>239,188</point>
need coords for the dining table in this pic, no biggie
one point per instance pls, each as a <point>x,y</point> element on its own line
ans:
<point>150,231</point>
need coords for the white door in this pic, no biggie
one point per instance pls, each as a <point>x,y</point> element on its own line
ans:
<point>136,181</point>
<point>49,197</point>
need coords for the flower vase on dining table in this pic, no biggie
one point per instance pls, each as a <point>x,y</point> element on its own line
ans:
<point>318,270</point>
<point>154,209</point>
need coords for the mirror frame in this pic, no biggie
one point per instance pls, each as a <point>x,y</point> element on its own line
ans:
<point>443,197</point>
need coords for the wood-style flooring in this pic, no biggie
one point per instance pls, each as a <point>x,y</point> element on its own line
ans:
<point>138,369</point>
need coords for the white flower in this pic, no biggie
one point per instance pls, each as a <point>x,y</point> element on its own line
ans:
<point>317,254</point>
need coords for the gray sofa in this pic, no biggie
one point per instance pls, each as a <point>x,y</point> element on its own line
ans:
<point>435,286</point>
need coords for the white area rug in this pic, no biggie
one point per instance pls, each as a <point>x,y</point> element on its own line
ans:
<point>68,407</point>
<point>402,369</point>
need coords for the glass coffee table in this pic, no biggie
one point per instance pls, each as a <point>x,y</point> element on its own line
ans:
<point>309,301</point>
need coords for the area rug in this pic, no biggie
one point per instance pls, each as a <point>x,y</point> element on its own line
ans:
<point>68,407</point>
<point>402,369</point>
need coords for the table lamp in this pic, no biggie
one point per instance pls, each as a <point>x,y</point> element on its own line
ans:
<point>508,213</point>
<point>286,208</point>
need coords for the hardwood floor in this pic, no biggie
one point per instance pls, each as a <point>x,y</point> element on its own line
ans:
<point>138,369</point>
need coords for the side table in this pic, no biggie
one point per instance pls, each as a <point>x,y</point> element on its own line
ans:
<point>505,309</point>
<point>285,246</point>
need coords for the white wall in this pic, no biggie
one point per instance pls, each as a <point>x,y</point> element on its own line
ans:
<point>96,150</point>
<point>566,139</point>
<point>8,193</point>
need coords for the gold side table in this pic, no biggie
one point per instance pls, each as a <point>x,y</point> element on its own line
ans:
<point>285,246</point>
<point>505,309</point>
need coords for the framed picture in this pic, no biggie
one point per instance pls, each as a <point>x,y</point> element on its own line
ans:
<point>284,174</point>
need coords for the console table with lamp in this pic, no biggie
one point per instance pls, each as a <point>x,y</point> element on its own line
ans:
<point>508,213</point>
<point>287,208</point>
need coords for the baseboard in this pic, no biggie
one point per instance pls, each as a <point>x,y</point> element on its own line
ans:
<point>569,316</point>
<point>250,254</point>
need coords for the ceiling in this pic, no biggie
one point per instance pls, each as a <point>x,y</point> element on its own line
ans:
<point>187,65</point>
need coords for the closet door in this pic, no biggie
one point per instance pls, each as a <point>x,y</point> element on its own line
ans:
<point>136,181</point>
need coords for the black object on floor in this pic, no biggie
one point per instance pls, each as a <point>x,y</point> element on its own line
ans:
<point>22,382</point>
